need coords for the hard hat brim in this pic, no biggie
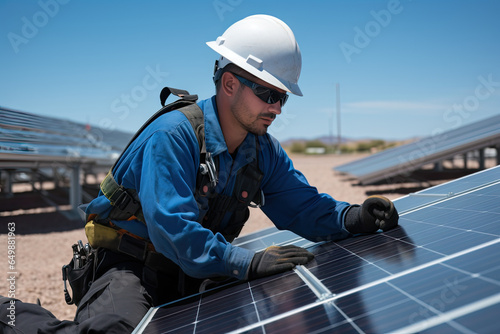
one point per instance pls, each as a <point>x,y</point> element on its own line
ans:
<point>249,65</point>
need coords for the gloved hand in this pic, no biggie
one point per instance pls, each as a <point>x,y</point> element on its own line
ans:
<point>276,259</point>
<point>377,212</point>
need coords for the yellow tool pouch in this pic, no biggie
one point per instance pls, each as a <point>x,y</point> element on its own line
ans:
<point>117,240</point>
<point>122,241</point>
<point>100,235</point>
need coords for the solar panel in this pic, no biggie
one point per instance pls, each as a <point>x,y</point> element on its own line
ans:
<point>448,189</point>
<point>438,272</point>
<point>43,146</point>
<point>401,160</point>
<point>32,140</point>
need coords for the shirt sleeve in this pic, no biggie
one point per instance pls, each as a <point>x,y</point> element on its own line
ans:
<point>292,204</point>
<point>163,172</point>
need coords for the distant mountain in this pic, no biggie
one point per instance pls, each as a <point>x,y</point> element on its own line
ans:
<point>327,140</point>
<point>324,139</point>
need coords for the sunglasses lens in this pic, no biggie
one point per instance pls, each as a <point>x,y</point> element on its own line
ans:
<point>266,94</point>
<point>283,99</point>
<point>275,96</point>
<point>269,95</point>
<point>262,92</point>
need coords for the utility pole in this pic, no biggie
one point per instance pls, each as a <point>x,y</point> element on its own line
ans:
<point>331,120</point>
<point>339,137</point>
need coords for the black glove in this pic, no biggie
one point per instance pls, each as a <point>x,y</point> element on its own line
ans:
<point>276,259</point>
<point>377,212</point>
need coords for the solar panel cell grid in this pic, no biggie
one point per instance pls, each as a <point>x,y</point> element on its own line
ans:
<point>213,313</point>
<point>481,322</point>
<point>270,236</point>
<point>466,183</point>
<point>447,190</point>
<point>314,320</point>
<point>439,272</point>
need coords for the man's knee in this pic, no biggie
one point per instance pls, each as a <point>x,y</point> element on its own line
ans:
<point>118,294</point>
<point>32,318</point>
<point>24,317</point>
<point>7,314</point>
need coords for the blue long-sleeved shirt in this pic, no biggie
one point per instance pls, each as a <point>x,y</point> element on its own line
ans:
<point>162,163</point>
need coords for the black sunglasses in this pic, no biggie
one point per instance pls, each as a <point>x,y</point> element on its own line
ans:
<point>264,93</point>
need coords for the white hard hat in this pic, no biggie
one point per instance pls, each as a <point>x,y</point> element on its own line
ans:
<point>265,47</point>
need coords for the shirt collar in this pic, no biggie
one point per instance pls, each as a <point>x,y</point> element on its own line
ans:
<point>214,139</point>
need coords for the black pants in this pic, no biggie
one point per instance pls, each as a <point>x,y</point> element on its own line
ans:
<point>115,303</point>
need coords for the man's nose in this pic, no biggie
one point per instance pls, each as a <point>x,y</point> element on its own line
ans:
<point>275,108</point>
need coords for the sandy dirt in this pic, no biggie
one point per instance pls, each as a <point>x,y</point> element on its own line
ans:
<point>44,235</point>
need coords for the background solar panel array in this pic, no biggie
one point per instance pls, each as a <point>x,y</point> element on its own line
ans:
<point>30,137</point>
<point>388,164</point>
<point>438,272</point>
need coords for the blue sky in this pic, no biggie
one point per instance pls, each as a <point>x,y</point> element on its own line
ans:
<point>405,68</point>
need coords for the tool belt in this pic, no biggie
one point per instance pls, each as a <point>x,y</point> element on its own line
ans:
<point>104,234</point>
<point>118,240</point>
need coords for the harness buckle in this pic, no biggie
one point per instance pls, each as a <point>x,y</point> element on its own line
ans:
<point>209,168</point>
<point>126,203</point>
<point>261,201</point>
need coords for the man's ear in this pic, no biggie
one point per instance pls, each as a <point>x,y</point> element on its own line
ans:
<point>229,83</point>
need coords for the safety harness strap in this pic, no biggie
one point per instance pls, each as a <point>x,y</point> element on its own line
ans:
<point>196,118</point>
<point>125,201</point>
<point>183,94</point>
<point>185,100</point>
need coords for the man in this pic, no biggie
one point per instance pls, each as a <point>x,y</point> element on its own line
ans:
<point>180,228</point>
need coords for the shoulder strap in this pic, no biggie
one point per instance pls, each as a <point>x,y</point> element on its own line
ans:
<point>207,167</point>
<point>125,201</point>
<point>185,100</point>
<point>195,116</point>
<point>183,94</point>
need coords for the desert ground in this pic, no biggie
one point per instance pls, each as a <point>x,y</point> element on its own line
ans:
<point>44,235</point>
